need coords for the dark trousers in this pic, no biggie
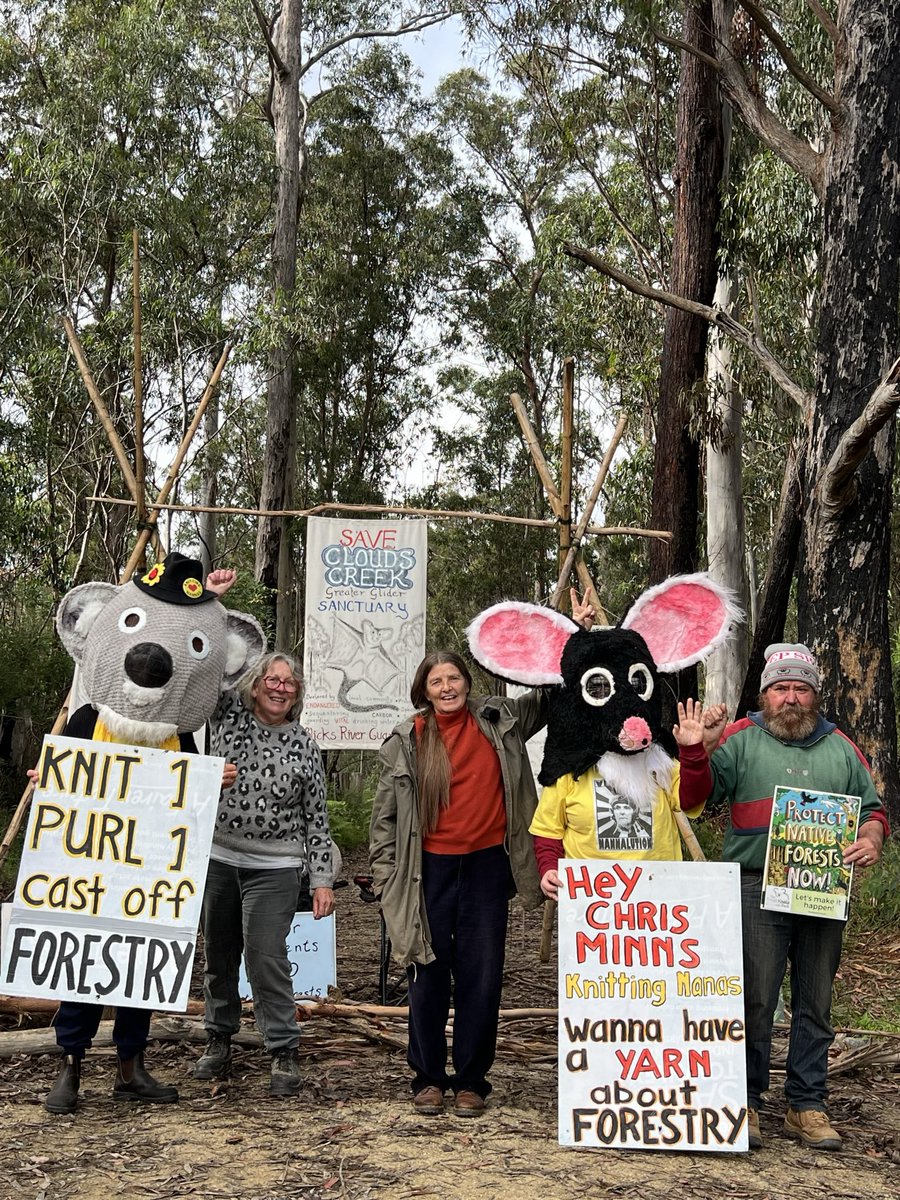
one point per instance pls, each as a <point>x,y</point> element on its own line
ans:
<point>813,945</point>
<point>467,905</point>
<point>76,1025</point>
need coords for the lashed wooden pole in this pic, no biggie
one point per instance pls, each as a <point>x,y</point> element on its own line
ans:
<point>139,498</point>
<point>143,538</point>
<point>155,509</point>
<point>588,512</point>
<point>554,499</point>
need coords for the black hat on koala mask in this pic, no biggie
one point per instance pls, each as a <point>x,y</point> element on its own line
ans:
<point>175,580</point>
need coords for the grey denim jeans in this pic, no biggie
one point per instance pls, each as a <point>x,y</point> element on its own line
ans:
<point>249,912</point>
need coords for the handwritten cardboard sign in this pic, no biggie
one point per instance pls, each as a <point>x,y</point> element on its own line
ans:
<point>111,880</point>
<point>312,955</point>
<point>651,1011</point>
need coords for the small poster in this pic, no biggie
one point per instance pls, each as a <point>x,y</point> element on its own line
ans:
<point>311,953</point>
<point>365,627</point>
<point>805,870</point>
<point>651,1006</point>
<point>110,885</point>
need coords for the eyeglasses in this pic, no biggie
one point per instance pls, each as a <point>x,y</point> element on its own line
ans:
<point>275,682</point>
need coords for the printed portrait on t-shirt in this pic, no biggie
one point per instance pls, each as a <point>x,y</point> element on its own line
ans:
<point>622,824</point>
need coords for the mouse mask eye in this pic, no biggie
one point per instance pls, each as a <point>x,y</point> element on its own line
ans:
<point>597,686</point>
<point>641,680</point>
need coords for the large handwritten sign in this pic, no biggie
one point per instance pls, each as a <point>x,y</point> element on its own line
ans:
<point>111,881</point>
<point>651,1028</point>
<point>365,627</point>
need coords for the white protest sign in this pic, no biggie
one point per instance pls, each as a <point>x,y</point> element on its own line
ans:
<point>110,885</point>
<point>651,1008</point>
<point>311,953</point>
<point>365,627</point>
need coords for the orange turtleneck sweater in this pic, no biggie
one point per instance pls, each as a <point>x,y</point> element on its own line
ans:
<point>476,816</point>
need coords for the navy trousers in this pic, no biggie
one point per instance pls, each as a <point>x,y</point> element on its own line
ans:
<point>76,1025</point>
<point>813,946</point>
<point>467,905</point>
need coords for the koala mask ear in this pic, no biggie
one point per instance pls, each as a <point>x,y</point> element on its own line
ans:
<point>77,612</point>
<point>246,646</point>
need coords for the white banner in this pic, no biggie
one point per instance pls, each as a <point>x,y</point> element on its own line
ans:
<point>111,880</point>
<point>651,1006</point>
<point>365,627</point>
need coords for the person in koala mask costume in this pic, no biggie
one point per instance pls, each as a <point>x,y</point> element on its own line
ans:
<point>154,656</point>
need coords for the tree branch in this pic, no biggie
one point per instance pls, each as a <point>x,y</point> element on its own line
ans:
<point>415,25</point>
<point>825,20</point>
<point>757,116</point>
<point>274,57</point>
<point>715,316</point>
<point>761,17</point>
<point>836,488</point>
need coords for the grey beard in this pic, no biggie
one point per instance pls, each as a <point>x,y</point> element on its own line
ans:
<point>792,724</point>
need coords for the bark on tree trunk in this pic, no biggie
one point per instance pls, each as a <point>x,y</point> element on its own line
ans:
<point>676,474</point>
<point>776,588</point>
<point>272,540</point>
<point>845,550</point>
<point>693,274</point>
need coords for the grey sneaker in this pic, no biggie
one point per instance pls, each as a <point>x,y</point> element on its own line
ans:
<point>286,1080</point>
<point>216,1060</point>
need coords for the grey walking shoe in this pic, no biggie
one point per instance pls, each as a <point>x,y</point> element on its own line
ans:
<point>63,1096</point>
<point>215,1062</point>
<point>286,1080</point>
<point>133,1082</point>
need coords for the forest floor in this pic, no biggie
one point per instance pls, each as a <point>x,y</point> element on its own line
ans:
<point>352,1132</point>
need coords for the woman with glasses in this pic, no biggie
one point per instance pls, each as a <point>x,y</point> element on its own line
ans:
<point>271,829</point>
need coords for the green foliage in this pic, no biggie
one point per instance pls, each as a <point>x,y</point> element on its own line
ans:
<point>350,808</point>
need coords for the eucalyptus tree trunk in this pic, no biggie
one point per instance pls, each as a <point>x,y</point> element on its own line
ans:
<point>273,555</point>
<point>845,549</point>
<point>698,172</point>
<point>726,667</point>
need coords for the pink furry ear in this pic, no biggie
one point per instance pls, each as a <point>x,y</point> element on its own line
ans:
<point>683,619</point>
<point>520,642</point>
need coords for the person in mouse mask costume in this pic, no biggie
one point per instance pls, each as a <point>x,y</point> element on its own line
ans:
<point>154,656</point>
<point>610,769</point>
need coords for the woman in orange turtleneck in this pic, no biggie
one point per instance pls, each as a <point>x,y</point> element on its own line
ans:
<point>449,847</point>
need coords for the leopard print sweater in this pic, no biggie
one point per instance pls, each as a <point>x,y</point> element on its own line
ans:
<point>277,805</point>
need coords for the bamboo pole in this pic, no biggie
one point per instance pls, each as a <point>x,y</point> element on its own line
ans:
<point>143,538</point>
<point>439,513</point>
<point>589,507</point>
<point>103,413</point>
<point>139,466</point>
<point>565,469</point>
<point>158,505</point>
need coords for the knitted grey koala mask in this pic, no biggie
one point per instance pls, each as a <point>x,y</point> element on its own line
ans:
<point>152,666</point>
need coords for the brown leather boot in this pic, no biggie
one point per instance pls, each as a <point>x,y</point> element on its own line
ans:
<point>63,1096</point>
<point>135,1083</point>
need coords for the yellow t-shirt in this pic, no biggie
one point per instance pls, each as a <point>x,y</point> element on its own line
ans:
<point>592,821</point>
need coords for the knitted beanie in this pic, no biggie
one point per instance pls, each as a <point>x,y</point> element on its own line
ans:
<point>789,661</point>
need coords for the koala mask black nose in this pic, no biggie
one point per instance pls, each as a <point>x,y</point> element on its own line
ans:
<point>148,665</point>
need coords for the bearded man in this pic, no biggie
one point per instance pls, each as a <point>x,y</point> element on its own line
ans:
<point>788,743</point>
